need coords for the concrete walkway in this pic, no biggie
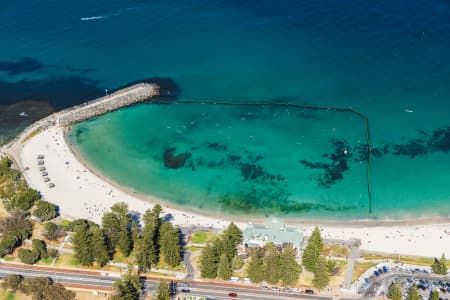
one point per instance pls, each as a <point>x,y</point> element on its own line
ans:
<point>354,255</point>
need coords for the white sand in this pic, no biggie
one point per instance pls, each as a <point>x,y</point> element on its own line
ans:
<point>82,194</point>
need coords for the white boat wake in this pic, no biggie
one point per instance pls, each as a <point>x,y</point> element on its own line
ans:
<point>92,18</point>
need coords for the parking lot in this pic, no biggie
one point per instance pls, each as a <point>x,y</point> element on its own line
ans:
<point>381,278</point>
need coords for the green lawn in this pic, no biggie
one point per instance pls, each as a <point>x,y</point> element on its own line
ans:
<point>360,268</point>
<point>193,248</point>
<point>413,260</point>
<point>10,258</point>
<point>193,298</point>
<point>163,265</point>
<point>202,237</point>
<point>45,261</point>
<point>4,295</point>
<point>335,250</point>
<point>67,259</point>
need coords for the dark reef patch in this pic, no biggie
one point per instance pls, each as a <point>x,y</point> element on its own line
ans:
<point>415,147</point>
<point>251,171</point>
<point>440,140</point>
<point>233,159</point>
<point>175,161</point>
<point>60,92</point>
<point>79,135</point>
<point>277,203</point>
<point>436,141</point>
<point>15,117</point>
<point>24,65</point>
<point>217,146</point>
<point>333,170</point>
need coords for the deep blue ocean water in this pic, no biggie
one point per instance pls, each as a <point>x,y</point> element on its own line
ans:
<point>387,59</point>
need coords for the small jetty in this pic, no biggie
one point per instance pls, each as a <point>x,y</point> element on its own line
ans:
<point>121,98</point>
<point>127,96</point>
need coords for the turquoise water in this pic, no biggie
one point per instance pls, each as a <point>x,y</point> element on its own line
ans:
<point>389,59</point>
<point>262,160</point>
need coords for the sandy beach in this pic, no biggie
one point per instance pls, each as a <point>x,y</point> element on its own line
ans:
<point>80,193</point>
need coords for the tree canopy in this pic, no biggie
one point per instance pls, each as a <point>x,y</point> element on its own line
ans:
<point>413,294</point>
<point>44,289</point>
<point>117,226</point>
<point>169,243</point>
<point>53,231</point>
<point>209,262</point>
<point>147,247</point>
<point>13,281</point>
<point>224,270</point>
<point>231,238</point>
<point>128,288</point>
<point>16,225</point>
<point>271,263</point>
<point>255,269</point>
<point>439,266</point>
<point>212,254</point>
<point>24,199</point>
<point>163,292</point>
<point>27,256</point>
<point>434,295</point>
<point>90,244</point>
<point>394,292</point>
<point>289,268</point>
<point>312,250</point>
<point>321,276</point>
<point>45,211</point>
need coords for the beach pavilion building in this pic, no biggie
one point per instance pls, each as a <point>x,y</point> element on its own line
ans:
<point>274,230</point>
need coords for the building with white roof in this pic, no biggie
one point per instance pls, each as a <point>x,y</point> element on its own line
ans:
<point>274,230</point>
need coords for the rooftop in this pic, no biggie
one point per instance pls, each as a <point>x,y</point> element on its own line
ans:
<point>274,230</point>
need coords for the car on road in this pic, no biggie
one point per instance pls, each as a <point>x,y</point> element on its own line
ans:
<point>232,294</point>
<point>186,291</point>
<point>183,284</point>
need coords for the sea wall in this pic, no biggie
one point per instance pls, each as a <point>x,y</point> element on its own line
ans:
<point>121,98</point>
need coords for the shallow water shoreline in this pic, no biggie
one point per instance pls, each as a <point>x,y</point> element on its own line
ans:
<point>83,192</point>
<point>255,217</point>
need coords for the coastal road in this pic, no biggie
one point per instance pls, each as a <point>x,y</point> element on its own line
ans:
<point>94,281</point>
<point>61,276</point>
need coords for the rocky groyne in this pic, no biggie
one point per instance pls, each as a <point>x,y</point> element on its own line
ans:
<point>121,98</point>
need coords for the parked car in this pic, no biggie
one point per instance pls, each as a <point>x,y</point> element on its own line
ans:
<point>183,284</point>
<point>264,287</point>
<point>275,288</point>
<point>308,291</point>
<point>376,273</point>
<point>422,287</point>
<point>232,294</point>
<point>385,269</point>
<point>297,290</point>
<point>185,291</point>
